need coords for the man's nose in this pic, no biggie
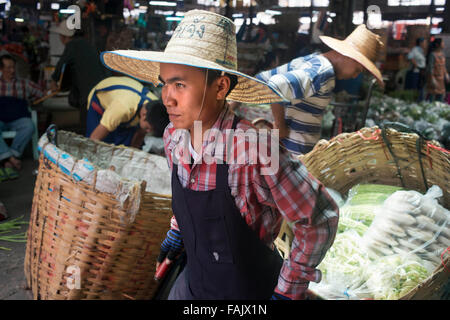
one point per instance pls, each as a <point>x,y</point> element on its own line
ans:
<point>167,97</point>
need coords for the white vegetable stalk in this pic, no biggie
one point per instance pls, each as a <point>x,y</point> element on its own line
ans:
<point>389,256</point>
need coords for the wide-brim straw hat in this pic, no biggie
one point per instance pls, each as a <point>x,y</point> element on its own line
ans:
<point>63,29</point>
<point>202,39</point>
<point>361,45</point>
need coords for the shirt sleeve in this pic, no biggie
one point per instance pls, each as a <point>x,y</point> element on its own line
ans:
<point>266,75</point>
<point>117,112</point>
<point>306,205</point>
<point>295,79</point>
<point>34,91</point>
<point>295,84</point>
<point>174,224</point>
<point>167,141</point>
<point>411,54</point>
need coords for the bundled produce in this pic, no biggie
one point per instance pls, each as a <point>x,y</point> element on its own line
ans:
<point>391,277</point>
<point>431,119</point>
<point>411,222</point>
<point>358,212</point>
<point>389,240</point>
<point>344,268</point>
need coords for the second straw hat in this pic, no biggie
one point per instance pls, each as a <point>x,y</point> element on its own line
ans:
<point>204,40</point>
<point>361,45</point>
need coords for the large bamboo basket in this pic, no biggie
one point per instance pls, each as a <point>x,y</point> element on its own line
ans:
<point>99,214</point>
<point>389,157</point>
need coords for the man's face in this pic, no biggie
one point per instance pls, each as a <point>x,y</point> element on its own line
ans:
<point>182,94</point>
<point>9,69</point>
<point>143,123</point>
<point>349,69</point>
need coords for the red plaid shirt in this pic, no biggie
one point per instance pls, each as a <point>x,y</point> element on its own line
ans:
<point>20,88</point>
<point>264,200</point>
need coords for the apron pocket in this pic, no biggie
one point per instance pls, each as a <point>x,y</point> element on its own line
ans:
<point>218,242</point>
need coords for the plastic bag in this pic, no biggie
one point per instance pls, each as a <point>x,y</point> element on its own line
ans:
<point>393,276</point>
<point>358,211</point>
<point>153,144</point>
<point>398,250</point>
<point>409,222</point>
<point>343,269</point>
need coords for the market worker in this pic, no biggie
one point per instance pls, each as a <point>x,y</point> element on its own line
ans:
<point>227,211</point>
<point>415,78</point>
<point>81,66</point>
<point>121,110</point>
<point>308,83</point>
<point>15,94</point>
<point>436,74</point>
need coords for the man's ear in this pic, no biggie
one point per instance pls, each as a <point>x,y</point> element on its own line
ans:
<point>223,85</point>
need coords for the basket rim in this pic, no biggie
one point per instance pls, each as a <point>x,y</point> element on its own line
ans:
<point>123,189</point>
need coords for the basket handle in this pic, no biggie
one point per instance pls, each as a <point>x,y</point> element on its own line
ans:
<point>404,128</point>
<point>401,127</point>
<point>52,133</point>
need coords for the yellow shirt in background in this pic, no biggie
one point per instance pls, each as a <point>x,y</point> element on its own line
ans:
<point>120,105</point>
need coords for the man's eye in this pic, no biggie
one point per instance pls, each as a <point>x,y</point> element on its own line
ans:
<point>179,85</point>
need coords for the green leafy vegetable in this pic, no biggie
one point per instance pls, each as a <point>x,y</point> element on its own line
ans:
<point>7,227</point>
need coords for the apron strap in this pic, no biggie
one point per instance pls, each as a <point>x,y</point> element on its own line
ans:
<point>142,94</point>
<point>222,169</point>
<point>144,97</point>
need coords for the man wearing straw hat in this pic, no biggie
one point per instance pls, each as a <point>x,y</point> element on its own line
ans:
<point>308,83</point>
<point>228,210</point>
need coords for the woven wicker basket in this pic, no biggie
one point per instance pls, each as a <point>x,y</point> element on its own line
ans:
<point>389,157</point>
<point>97,220</point>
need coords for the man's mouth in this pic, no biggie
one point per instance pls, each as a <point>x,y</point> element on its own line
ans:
<point>173,116</point>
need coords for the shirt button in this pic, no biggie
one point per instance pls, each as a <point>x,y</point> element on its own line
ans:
<point>192,180</point>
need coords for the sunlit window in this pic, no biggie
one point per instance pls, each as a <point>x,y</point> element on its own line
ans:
<point>321,3</point>
<point>411,2</point>
<point>294,3</point>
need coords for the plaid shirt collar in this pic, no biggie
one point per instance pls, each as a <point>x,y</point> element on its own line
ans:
<point>181,138</point>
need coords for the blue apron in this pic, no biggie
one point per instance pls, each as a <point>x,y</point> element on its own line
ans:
<point>124,132</point>
<point>225,258</point>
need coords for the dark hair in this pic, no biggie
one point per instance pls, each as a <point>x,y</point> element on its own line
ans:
<point>6,57</point>
<point>157,116</point>
<point>436,43</point>
<point>419,41</point>
<point>214,74</point>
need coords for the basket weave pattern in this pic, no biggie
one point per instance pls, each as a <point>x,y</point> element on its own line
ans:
<point>72,224</point>
<point>365,157</point>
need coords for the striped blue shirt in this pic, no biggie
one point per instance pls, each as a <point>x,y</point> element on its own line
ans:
<point>308,83</point>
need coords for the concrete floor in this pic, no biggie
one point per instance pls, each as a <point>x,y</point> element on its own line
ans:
<point>17,196</point>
